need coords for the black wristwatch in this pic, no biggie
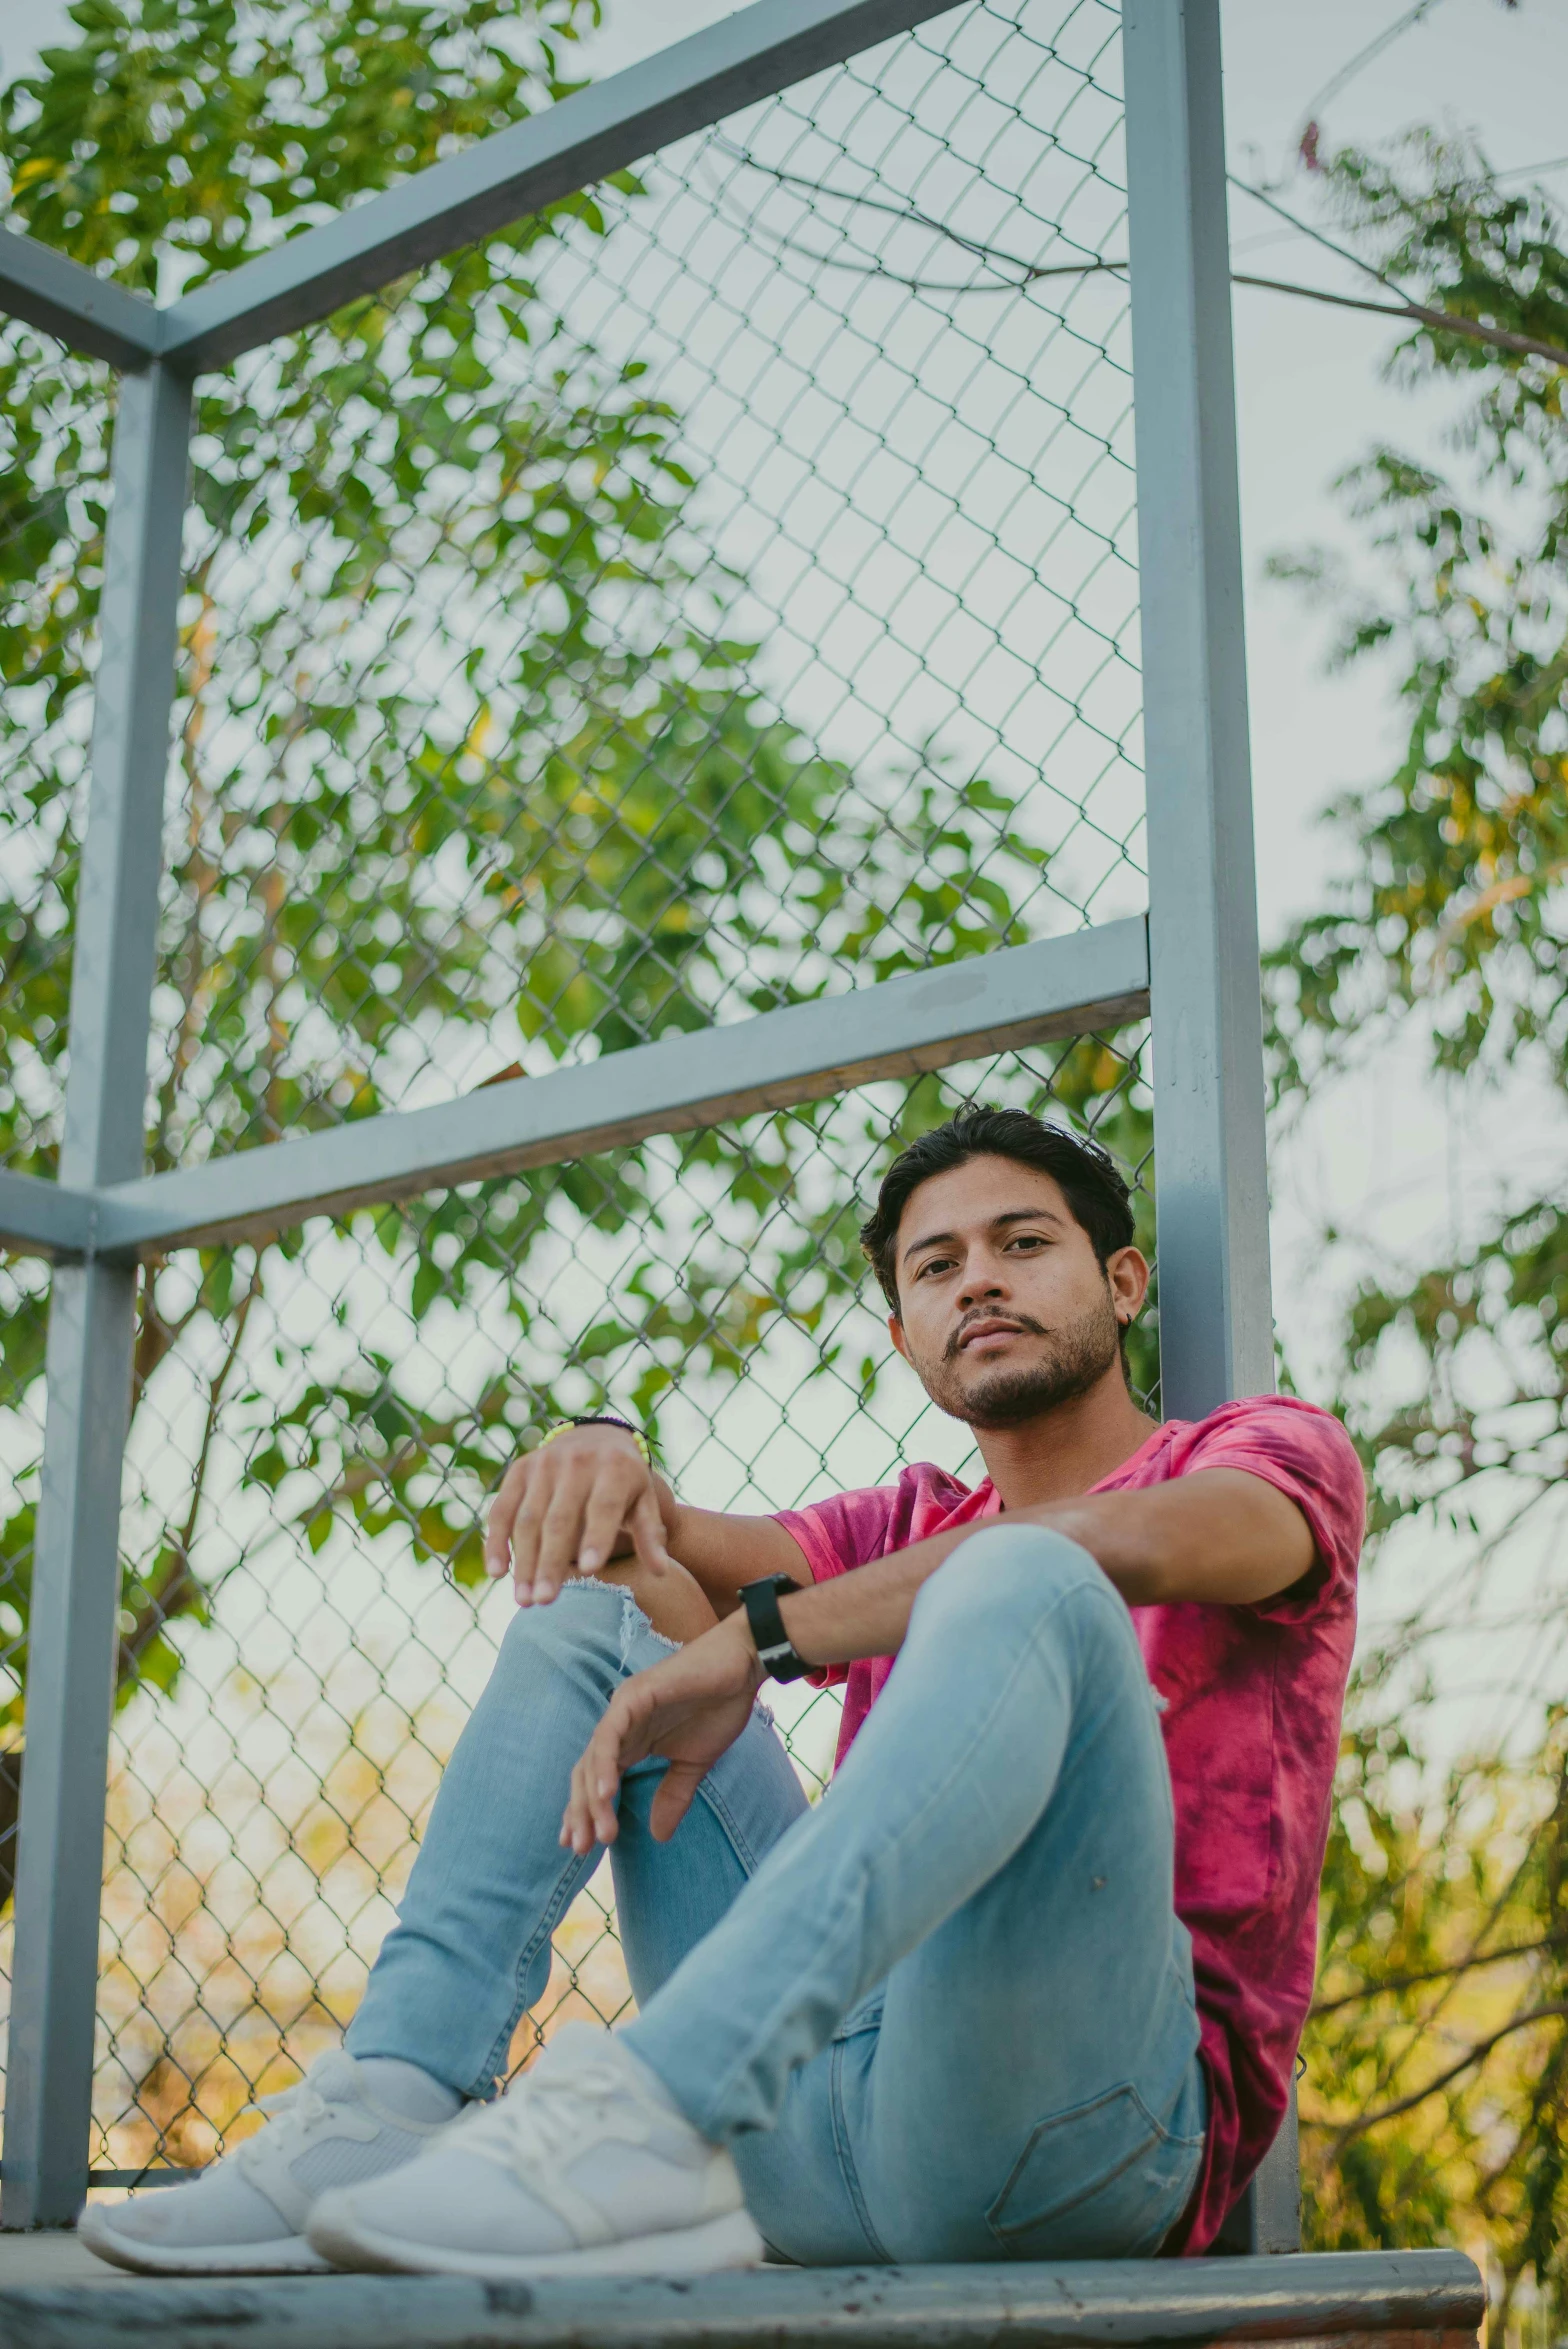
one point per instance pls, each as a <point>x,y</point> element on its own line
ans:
<point>775,1653</point>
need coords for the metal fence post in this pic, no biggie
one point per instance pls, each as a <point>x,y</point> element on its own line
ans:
<point>91,1324</point>
<point>1216,1318</point>
<point>1216,1324</point>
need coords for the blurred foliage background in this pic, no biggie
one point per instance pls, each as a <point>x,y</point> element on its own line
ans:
<point>394,844</point>
<point>1437,2063</point>
<point>476,772</point>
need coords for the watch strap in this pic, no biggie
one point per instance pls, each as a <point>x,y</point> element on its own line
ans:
<point>775,1651</point>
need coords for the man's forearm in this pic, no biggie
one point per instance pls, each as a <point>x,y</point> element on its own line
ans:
<point>673,1601</point>
<point>723,1552</point>
<point>865,1612</point>
<point>1220,1538</point>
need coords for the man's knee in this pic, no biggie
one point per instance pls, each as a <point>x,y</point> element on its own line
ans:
<point>1014,1573</point>
<point>584,1626</point>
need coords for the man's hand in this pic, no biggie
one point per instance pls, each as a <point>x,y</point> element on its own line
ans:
<point>691,1708</point>
<point>569,1507</point>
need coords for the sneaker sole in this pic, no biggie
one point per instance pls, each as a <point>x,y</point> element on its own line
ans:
<point>728,2242</point>
<point>288,2255</point>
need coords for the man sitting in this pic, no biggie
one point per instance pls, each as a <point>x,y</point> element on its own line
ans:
<point>994,1996</point>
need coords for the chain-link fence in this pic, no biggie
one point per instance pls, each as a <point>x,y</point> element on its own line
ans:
<point>716,592</point>
<point>315,1662</point>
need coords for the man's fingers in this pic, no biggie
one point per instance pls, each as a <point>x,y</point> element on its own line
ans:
<point>621,1739</point>
<point>690,1708</point>
<point>582,1522</point>
<point>579,1831</point>
<point>674,1798</point>
<point>591,1816</point>
<point>577,1824</point>
<point>498,1525</point>
<point>561,1530</point>
<point>589,1819</point>
<point>562,1509</point>
<point>525,1534</point>
<point>604,1787</point>
<point>604,1513</point>
<point>646,1525</point>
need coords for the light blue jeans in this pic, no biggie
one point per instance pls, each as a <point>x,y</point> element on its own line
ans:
<point>946,2014</point>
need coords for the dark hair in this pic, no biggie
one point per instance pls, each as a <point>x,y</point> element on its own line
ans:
<point>1087,1175</point>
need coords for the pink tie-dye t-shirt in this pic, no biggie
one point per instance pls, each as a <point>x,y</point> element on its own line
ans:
<point>1253,1698</point>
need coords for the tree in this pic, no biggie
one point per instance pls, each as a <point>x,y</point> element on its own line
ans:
<point>1451,921</point>
<point>466,768</point>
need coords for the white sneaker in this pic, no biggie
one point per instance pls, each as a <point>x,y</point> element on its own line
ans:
<point>246,2215</point>
<point>587,2168</point>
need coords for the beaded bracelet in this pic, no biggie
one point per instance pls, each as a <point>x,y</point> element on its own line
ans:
<point>597,1419</point>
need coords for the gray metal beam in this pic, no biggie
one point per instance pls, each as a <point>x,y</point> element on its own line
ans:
<point>89,313</point>
<point>76,1576</point>
<point>514,172</point>
<point>1210,1167</point>
<point>1215,1315</point>
<point>1091,979</point>
<point>1276,2190</point>
<point>39,1218</point>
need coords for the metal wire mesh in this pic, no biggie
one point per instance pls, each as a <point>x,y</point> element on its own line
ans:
<point>311,1675</point>
<point>717,593</point>
<point>648,618</point>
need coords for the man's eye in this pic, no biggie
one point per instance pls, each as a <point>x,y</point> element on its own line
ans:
<point>933,1264</point>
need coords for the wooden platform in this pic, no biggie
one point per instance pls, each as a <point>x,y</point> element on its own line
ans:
<point>1398,2300</point>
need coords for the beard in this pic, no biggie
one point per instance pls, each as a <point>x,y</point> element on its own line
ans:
<point>1075,1359</point>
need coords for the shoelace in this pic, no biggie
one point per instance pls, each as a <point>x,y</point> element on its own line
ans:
<point>302,2105</point>
<point>528,2132</point>
<point>308,2101</point>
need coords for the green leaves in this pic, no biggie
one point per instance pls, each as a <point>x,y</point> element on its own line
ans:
<point>1455,905</point>
<point>1433,2100</point>
<point>1454,913</point>
<point>1436,2068</point>
<point>473,774</point>
<point>174,139</point>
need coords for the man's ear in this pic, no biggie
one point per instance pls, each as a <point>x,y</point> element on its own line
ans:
<point>895,1330</point>
<point>1127,1273</point>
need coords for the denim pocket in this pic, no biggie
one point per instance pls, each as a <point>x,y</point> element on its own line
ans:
<point>1103,2180</point>
<point>866,2015</point>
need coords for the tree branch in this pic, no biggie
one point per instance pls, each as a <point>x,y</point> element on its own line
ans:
<point>178,1585</point>
<point>1477,2054</point>
<point>1465,1965</point>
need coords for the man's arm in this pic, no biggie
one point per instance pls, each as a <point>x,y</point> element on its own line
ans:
<point>725,1552</point>
<point>588,1503</point>
<point>714,1556</point>
<point>1220,1537</point>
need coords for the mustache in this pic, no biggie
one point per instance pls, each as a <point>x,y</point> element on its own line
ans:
<point>1023,1321</point>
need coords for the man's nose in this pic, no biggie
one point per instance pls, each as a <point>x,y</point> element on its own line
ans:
<point>982,1282</point>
